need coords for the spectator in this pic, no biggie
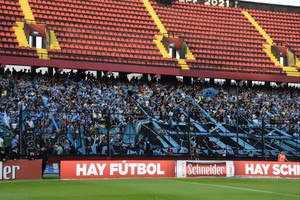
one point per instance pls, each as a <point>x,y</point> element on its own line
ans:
<point>14,142</point>
<point>251,154</point>
<point>282,157</point>
<point>148,147</point>
<point>157,151</point>
<point>169,152</point>
<point>3,156</point>
<point>224,152</point>
<point>66,146</point>
<point>140,146</point>
<point>296,135</point>
<point>7,144</point>
<point>14,154</point>
<point>31,155</point>
<point>44,156</point>
<point>83,108</point>
<point>1,143</point>
<point>58,149</point>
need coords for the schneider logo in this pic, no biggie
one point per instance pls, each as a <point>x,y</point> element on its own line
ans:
<point>8,172</point>
<point>207,170</point>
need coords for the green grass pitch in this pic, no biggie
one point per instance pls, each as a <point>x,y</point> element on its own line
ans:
<point>152,189</point>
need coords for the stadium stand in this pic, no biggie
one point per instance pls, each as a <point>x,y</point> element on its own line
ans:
<point>215,41</point>
<point>218,40</point>
<point>76,113</point>
<point>85,30</point>
<point>11,17</point>
<point>281,27</point>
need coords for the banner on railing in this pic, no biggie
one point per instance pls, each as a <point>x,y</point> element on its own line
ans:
<point>21,170</point>
<point>116,169</point>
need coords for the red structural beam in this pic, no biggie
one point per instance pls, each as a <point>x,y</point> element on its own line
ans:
<point>69,64</point>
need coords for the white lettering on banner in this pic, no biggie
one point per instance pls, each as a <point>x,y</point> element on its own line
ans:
<point>80,170</point>
<point>141,169</point>
<point>133,168</point>
<point>136,169</point>
<point>286,169</point>
<point>8,172</point>
<point>113,168</point>
<point>210,170</point>
<point>92,169</point>
<point>257,169</point>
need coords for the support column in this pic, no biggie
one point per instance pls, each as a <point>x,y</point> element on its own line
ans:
<point>99,75</point>
<point>227,82</point>
<point>187,80</point>
<point>145,78</point>
<point>168,79</point>
<point>2,66</point>
<point>250,83</point>
<point>211,80</point>
<point>267,83</point>
<point>123,76</point>
<point>33,70</point>
<point>50,72</point>
<point>80,74</point>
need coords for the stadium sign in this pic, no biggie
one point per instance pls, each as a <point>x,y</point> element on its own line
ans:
<point>222,3</point>
<point>20,170</point>
<point>8,172</point>
<point>116,169</point>
<point>235,3</point>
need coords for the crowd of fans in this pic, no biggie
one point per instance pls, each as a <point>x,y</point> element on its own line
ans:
<point>69,104</point>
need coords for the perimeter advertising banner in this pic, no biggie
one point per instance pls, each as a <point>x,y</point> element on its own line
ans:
<point>204,168</point>
<point>267,169</point>
<point>52,169</point>
<point>117,169</point>
<point>21,170</point>
<point>238,168</point>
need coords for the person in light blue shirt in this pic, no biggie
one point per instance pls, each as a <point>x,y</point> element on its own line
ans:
<point>14,142</point>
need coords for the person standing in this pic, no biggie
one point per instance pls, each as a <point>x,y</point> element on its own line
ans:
<point>14,154</point>
<point>148,147</point>
<point>7,144</point>
<point>44,156</point>
<point>282,157</point>
<point>3,156</point>
<point>1,142</point>
<point>14,142</point>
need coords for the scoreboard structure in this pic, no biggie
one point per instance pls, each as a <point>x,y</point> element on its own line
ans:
<point>260,5</point>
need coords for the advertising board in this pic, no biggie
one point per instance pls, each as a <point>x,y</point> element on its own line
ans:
<point>204,168</point>
<point>52,168</point>
<point>117,169</point>
<point>21,170</point>
<point>238,169</point>
<point>267,169</point>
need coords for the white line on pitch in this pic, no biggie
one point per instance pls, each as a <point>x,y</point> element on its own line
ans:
<point>235,188</point>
